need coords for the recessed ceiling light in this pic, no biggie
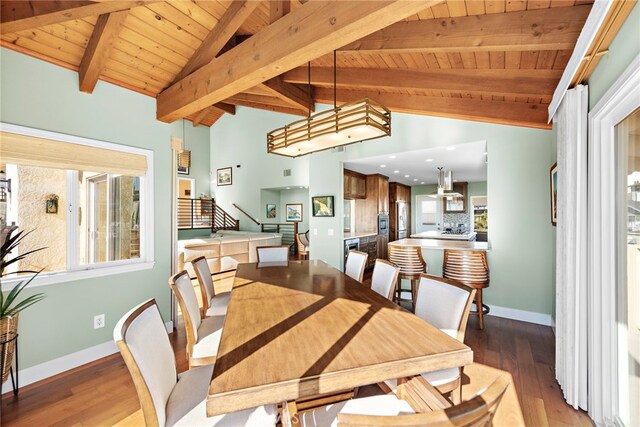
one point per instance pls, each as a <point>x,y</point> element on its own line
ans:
<point>455,180</point>
<point>422,183</point>
<point>451,148</point>
<point>429,160</point>
<point>288,188</point>
<point>392,157</point>
<point>383,166</point>
<point>415,179</point>
<point>407,176</point>
<point>396,171</point>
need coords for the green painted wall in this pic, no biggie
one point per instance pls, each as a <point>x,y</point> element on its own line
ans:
<point>518,169</point>
<point>622,50</point>
<point>43,96</point>
<point>241,140</point>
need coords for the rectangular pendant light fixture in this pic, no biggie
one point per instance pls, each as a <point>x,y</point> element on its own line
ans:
<point>349,123</point>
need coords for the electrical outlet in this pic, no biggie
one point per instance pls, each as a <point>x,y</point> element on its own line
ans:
<point>98,321</point>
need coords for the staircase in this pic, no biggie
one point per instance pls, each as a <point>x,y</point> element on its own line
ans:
<point>204,213</point>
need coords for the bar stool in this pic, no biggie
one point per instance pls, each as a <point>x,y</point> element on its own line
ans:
<point>409,260</point>
<point>470,268</point>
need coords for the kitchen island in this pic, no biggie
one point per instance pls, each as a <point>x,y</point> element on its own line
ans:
<point>433,250</point>
<point>444,235</point>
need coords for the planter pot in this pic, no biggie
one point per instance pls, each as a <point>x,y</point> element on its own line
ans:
<point>8,331</point>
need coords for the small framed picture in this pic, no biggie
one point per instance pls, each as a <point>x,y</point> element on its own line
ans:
<point>224,176</point>
<point>52,204</point>
<point>322,206</point>
<point>271,211</point>
<point>553,180</point>
<point>183,171</point>
<point>294,212</point>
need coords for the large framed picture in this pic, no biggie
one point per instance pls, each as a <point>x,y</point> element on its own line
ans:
<point>224,176</point>
<point>271,211</point>
<point>294,212</point>
<point>183,171</point>
<point>553,181</point>
<point>322,206</point>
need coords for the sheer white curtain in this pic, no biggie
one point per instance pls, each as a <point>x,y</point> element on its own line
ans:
<point>571,247</point>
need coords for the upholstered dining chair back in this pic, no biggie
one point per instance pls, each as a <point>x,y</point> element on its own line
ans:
<point>475,412</point>
<point>186,296</point>
<point>354,267</point>
<point>144,344</point>
<point>445,304</point>
<point>203,273</point>
<point>273,253</point>
<point>384,278</point>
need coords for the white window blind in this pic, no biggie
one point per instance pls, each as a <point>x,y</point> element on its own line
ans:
<point>34,151</point>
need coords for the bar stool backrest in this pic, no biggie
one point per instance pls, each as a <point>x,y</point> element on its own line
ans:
<point>408,259</point>
<point>468,267</point>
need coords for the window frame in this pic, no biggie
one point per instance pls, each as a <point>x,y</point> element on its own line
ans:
<point>74,270</point>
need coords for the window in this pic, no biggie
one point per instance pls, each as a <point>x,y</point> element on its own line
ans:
<point>87,203</point>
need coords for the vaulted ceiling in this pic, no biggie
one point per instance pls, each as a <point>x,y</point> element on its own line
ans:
<point>495,61</point>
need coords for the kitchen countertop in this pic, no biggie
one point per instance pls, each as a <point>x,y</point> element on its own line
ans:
<point>440,235</point>
<point>358,234</point>
<point>459,245</point>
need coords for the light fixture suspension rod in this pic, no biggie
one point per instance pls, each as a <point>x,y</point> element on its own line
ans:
<point>335,105</point>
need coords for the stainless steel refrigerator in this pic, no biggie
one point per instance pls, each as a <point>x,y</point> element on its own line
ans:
<point>401,219</point>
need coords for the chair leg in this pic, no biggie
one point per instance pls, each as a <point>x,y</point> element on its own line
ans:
<point>414,292</point>
<point>479,308</point>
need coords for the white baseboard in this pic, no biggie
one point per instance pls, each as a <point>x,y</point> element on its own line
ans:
<point>522,315</point>
<point>64,363</point>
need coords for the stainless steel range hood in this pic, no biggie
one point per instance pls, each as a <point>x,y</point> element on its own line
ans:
<point>445,185</point>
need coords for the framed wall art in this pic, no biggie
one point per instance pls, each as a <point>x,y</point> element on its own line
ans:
<point>224,176</point>
<point>323,206</point>
<point>294,212</point>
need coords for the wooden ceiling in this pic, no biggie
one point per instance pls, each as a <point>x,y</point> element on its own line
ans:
<point>494,61</point>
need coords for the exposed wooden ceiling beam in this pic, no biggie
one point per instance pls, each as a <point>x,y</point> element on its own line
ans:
<point>96,54</point>
<point>241,101</point>
<point>278,9</point>
<point>294,95</point>
<point>199,117</point>
<point>22,15</point>
<point>500,112</point>
<point>555,28</point>
<point>231,20</point>
<point>534,83</point>
<point>310,31</point>
<point>225,108</point>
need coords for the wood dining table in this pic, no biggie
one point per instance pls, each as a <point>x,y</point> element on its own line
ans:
<point>305,328</point>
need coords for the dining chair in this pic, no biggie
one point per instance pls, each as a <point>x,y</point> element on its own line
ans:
<point>203,335</point>
<point>470,268</point>
<point>303,245</point>
<point>445,304</point>
<point>382,411</point>
<point>411,263</point>
<point>273,253</point>
<point>212,304</point>
<point>354,267</point>
<point>166,397</point>
<point>384,278</point>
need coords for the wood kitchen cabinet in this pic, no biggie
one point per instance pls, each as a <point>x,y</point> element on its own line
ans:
<point>355,185</point>
<point>369,245</point>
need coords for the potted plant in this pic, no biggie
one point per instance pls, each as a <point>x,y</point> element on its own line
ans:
<point>10,307</point>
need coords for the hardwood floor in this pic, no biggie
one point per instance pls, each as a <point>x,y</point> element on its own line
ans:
<point>102,392</point>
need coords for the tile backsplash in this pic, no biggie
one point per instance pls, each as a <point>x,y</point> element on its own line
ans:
<point>452,220</point>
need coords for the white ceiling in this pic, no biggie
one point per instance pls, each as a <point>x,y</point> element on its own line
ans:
<point>466,161</point>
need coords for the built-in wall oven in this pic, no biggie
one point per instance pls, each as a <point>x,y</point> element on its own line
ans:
<point>350,245</point>
<point>383,224</point>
